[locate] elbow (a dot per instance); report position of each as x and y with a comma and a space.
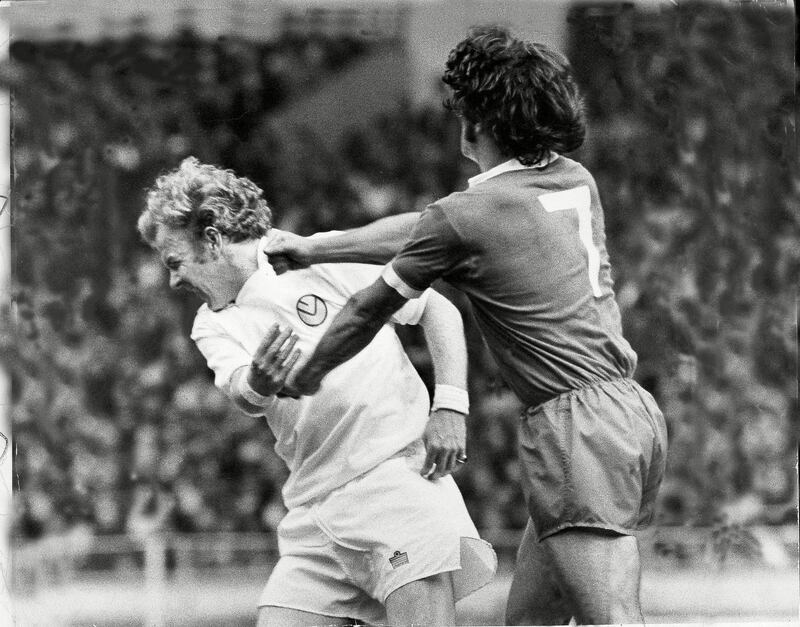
441, 312
452, 313
373, 306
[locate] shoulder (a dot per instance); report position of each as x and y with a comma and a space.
457, 208
470, 213
441, 220
570, 171
203, 316
206, 322
464, 200
338, 272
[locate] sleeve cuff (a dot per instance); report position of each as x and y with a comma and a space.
450, 397
249, 394
394, 281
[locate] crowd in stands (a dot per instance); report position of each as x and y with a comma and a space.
116, 421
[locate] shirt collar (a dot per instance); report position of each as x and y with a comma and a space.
509, 166
263, 267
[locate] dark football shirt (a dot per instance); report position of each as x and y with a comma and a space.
527, 247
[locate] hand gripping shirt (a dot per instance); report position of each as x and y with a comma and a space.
527, 247
367, 409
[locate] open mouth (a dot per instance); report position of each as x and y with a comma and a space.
191, 289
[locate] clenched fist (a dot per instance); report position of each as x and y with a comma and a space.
287, 251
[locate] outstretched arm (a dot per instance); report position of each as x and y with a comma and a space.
377, 242
351, 330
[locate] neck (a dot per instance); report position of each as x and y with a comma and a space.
243, 256
485, 153
489, 162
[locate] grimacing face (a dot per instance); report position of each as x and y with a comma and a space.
198, 266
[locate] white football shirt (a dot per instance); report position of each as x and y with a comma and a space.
367, 409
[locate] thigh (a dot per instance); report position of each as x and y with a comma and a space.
599, 572
427, 601
536, 598
273, 616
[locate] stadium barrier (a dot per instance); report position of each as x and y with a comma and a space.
158, 556
688, 572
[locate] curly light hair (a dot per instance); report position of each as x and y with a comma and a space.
522, 93
196, 195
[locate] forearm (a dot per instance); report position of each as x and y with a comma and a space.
444, 334
377, 242
445, 434
351, 330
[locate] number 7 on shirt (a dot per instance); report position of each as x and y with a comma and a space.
580, 199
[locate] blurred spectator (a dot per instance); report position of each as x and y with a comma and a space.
689, 142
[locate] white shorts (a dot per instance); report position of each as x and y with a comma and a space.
345, 553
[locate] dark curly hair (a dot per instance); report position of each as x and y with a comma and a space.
195, 196
522, 93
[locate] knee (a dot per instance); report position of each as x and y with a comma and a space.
532, 617
624, 608
516, 615
530, 611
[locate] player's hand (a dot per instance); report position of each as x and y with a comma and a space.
273, 361
287, 251
445, 440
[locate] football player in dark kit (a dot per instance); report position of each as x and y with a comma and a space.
525, 242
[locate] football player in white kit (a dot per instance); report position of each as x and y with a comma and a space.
376, 530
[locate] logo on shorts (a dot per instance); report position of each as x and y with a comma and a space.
398, 559
312, 310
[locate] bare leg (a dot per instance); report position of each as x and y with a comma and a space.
426, 601
272, 616
599, 572
536, 597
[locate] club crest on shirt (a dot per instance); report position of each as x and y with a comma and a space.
312, 310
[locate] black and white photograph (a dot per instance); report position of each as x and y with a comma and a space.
399, 313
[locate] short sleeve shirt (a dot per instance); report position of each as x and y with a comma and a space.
527, 247
367, 409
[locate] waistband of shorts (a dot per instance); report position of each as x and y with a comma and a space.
605, 383
412, 449
415, 447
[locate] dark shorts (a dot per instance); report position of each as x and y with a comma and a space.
593, 457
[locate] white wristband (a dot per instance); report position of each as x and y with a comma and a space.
450, 397
250, 395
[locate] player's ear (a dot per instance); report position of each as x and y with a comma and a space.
212, 238
471, 131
